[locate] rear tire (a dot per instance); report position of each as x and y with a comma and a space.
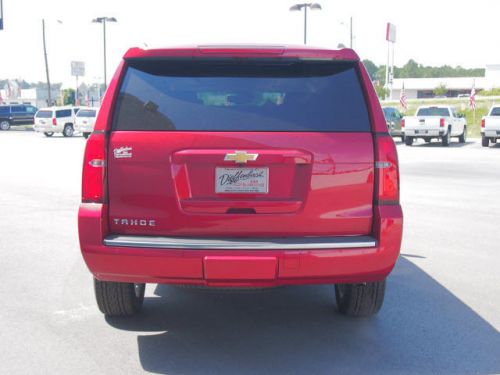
485, 141
408, 141
49, 134
360, 299
4, 125
463, 137
86, 135
118, 299
445, 141
402, 138
68, 130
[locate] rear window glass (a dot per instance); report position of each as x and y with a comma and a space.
259, 95
44, 114
433, 111
4, 110
86, 113
495, 111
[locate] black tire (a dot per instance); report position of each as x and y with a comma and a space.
4, 125
408, 141
485, 141
463, 137
48, 134
118, 299
445, 140
68, 130
86, 135
402, 138
360, 299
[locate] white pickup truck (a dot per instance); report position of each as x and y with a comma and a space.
441, 122
490, 126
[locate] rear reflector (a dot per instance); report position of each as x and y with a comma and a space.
403, 123
483, 123
94, 169
54, 121
387, 172
441, 123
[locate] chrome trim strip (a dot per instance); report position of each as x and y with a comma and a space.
283, 243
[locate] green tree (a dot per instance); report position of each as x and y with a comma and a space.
382, 92
69, 97
441, 90
371, 68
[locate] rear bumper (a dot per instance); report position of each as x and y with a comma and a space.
84, 128
491, 133
424, 133
141, 259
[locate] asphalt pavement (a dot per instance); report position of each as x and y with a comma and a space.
441, 314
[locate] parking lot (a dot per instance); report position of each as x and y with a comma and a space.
441, 313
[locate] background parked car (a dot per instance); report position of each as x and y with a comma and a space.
490, 126
85, 120
16, 114
393, 119
56, 120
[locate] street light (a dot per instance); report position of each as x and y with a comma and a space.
298, 7
103, 20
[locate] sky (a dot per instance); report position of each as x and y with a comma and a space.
431, 32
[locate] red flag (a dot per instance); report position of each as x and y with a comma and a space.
403, 98
472, 98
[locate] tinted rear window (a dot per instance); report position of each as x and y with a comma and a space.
495, 111
433, 111
44, 114
289, 95
86, 113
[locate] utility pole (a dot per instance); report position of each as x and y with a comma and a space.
350, 27
305, 24
104, 33
49, 100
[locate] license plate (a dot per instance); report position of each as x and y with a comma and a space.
242, 180
420, 131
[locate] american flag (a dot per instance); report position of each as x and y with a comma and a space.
403, 98
472, 98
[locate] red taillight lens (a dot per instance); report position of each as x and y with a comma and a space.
441, 123
94, 169
403, 123
387, 171
482, 123
54, 121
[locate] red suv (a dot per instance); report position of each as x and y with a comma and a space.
227, 166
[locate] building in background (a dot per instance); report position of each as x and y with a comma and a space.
421, 88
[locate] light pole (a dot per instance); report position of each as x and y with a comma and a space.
299, 7
49, 94
351, 35
103, 20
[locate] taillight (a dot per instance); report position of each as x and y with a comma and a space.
403, 123
94, 169
387, 171
483, 123
54, 121
441, 123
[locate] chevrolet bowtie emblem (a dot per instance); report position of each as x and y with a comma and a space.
241, 157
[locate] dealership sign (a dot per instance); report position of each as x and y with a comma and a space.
390, 34
77, 68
